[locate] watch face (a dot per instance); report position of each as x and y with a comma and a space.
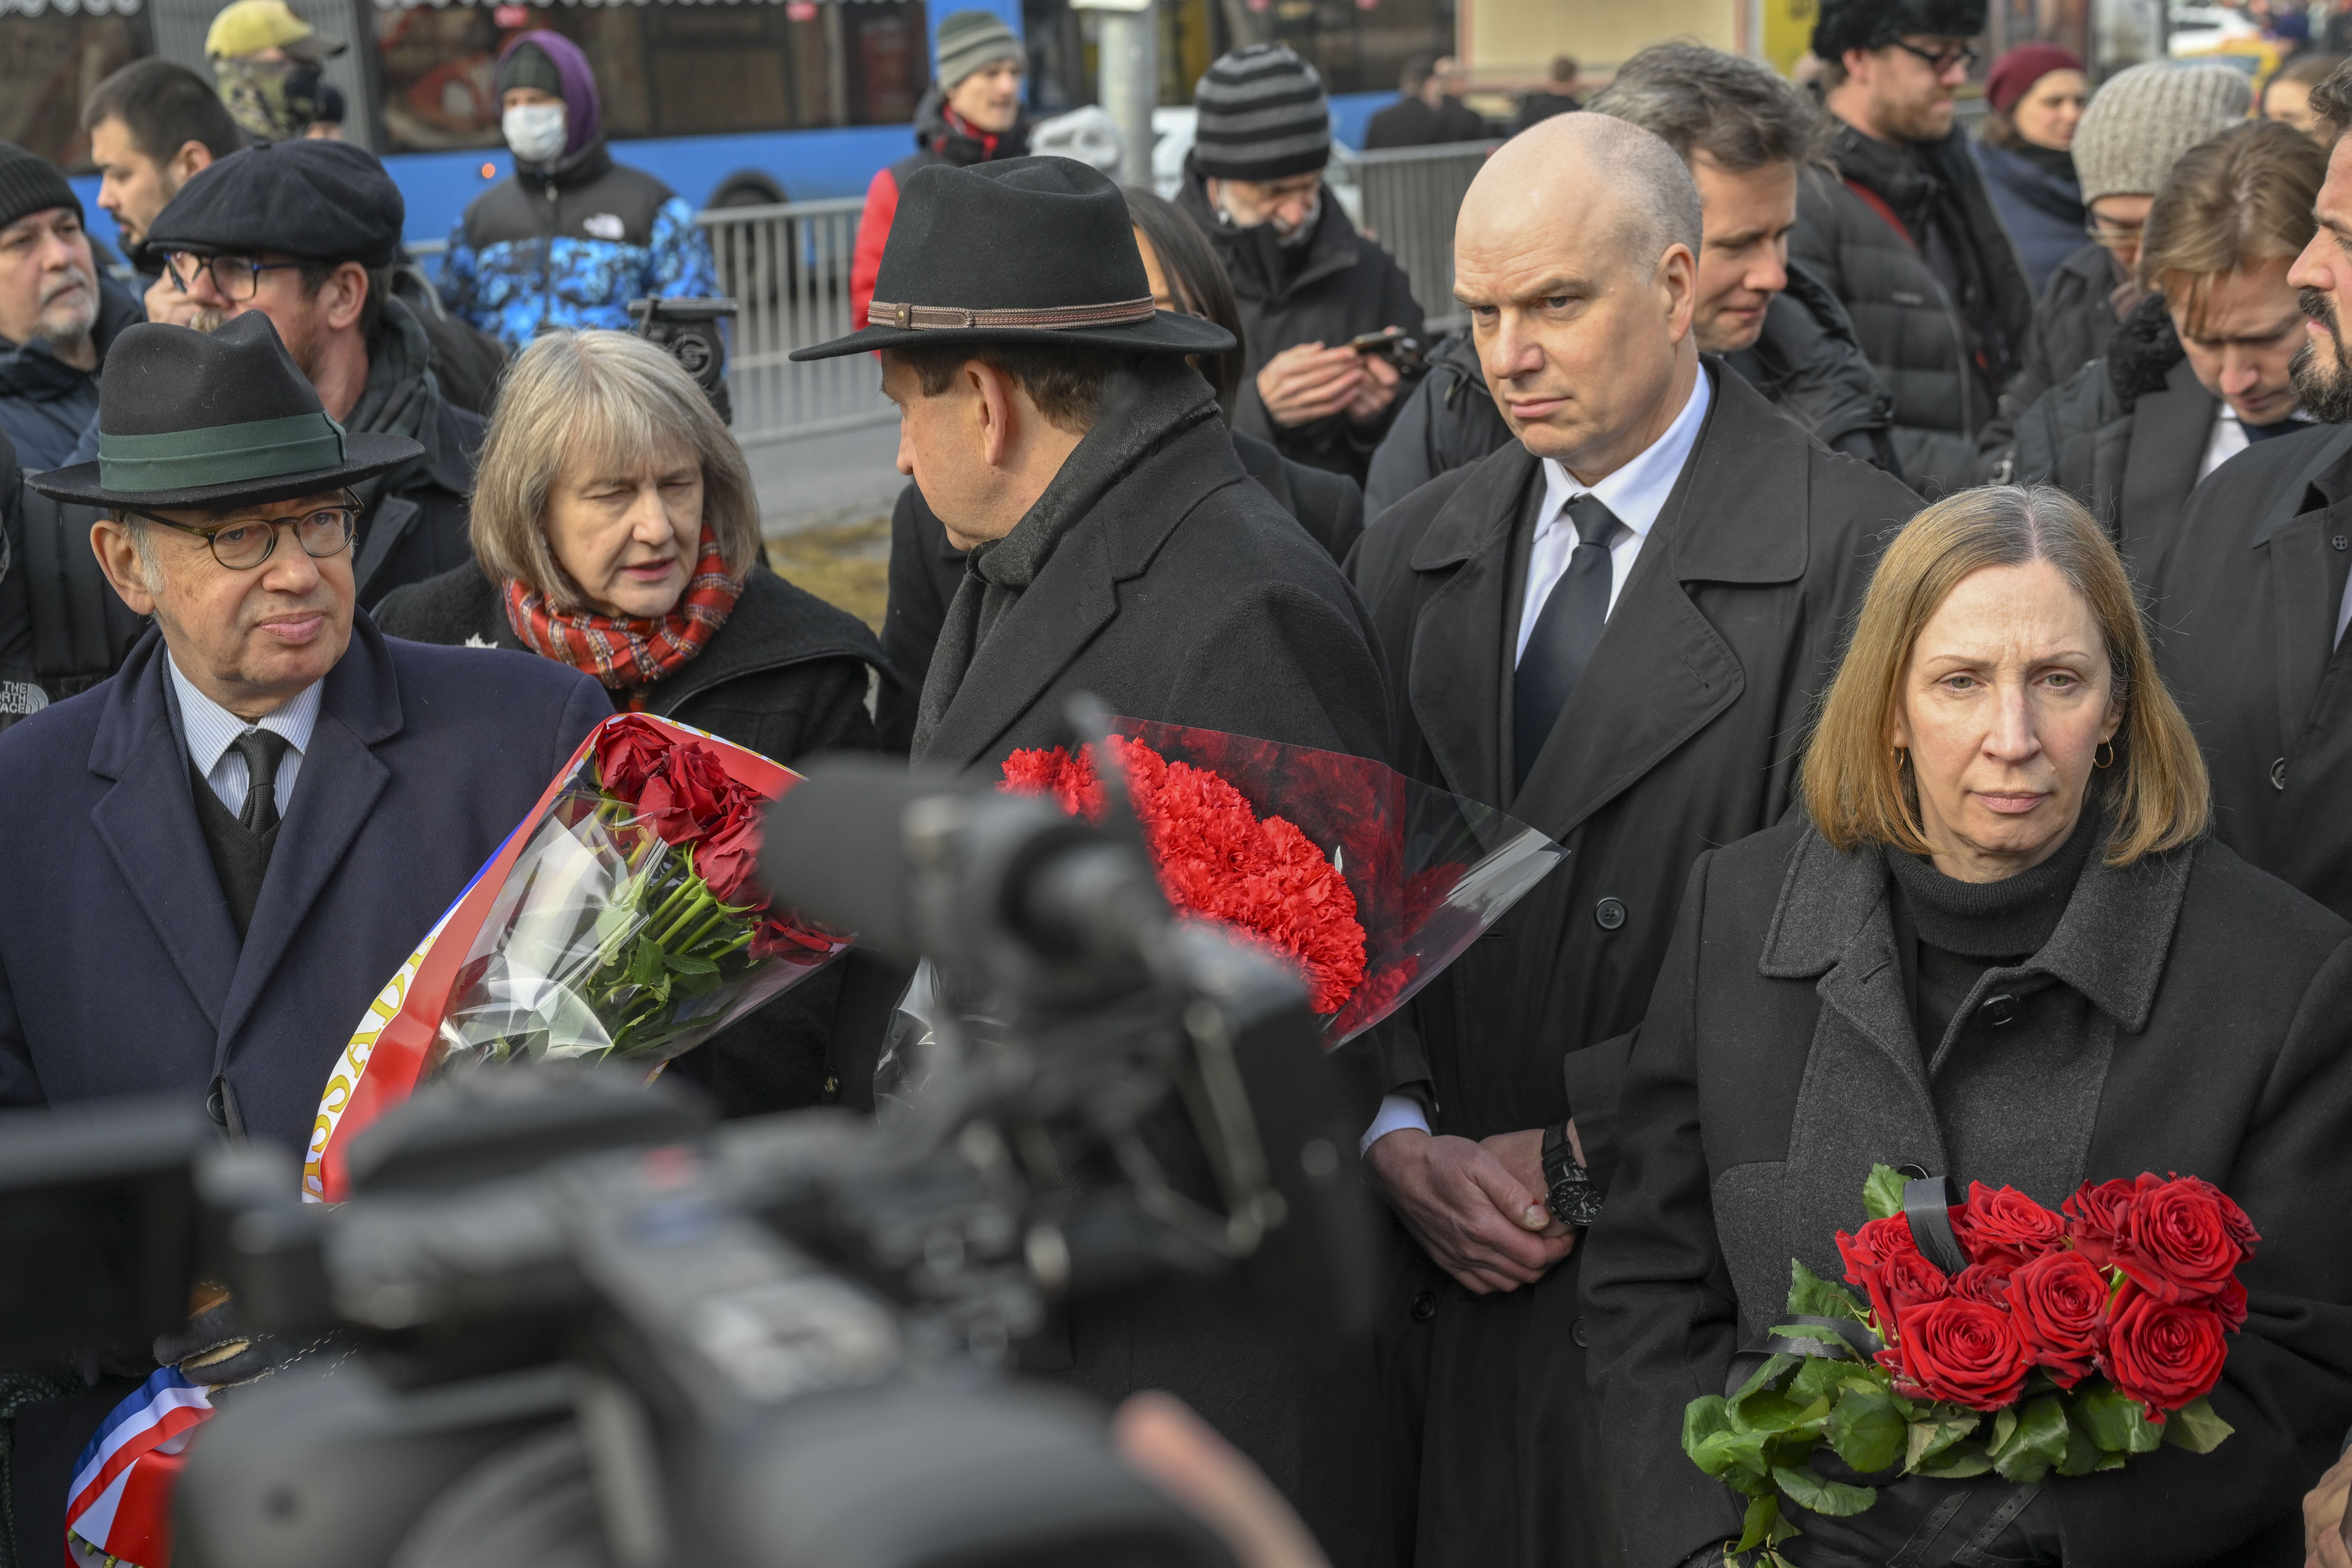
1574, 1200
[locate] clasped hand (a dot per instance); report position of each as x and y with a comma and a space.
1476, 1207
1308, 382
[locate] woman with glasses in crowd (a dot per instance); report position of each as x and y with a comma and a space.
1998, 945
615, 529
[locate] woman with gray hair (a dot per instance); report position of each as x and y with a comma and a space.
614, 529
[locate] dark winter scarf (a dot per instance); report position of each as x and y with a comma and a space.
398, 399
1143, 407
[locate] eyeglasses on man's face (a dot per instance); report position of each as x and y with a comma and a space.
237, 278
1941, 54
248, 541
2111, 234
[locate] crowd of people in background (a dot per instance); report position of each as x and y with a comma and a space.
1814, 492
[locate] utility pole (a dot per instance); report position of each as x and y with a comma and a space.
1127, 48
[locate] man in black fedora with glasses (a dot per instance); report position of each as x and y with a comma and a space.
1117, 546
216, 858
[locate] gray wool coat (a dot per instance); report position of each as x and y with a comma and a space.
2188, 1013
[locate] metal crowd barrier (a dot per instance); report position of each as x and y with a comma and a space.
788, 267
1410, 196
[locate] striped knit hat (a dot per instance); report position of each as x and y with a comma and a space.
1262, 117
971, 39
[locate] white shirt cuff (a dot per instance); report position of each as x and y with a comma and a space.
1397, 1112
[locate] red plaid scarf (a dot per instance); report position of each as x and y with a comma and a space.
627, 654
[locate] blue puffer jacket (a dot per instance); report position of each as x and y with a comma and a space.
570, 246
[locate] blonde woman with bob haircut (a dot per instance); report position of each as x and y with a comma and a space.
615, 530
1999, 946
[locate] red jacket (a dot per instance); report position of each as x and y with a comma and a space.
942, 136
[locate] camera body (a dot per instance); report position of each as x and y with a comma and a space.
688, 328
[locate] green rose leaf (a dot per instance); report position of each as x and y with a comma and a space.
1933, 1436
1775, 1367
1882, 1196
1822, 1379
2082, 1453
1810, 1296
1767, 1411
688, 964
2004, 1427
1763, 1516
1957, 1463
1867, 1431
2037, 1440
1821, 1494
2115, 1422
644, 963
2195, 1427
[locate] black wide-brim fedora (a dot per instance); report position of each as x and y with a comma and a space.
1027, 250
213, 421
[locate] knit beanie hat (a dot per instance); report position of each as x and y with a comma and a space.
30, 184
2143, 119
971, 39
527, 65
1261, 116
1843, 25
2014, 75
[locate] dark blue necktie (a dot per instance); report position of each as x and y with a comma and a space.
1565, 635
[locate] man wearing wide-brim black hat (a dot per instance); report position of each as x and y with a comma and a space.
1118, 547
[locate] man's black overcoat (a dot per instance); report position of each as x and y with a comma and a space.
2245, 608
1684, 733
1185, 595
2188, 1013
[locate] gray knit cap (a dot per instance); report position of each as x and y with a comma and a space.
2143, 119
1261, 116
971, 39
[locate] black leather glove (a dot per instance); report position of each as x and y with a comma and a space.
215, 1350
1982, 1523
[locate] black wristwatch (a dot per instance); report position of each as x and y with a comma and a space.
1572, 1198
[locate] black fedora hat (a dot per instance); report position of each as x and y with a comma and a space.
214, 420
1037, 250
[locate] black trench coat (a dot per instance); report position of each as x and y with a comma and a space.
1685, 733
2245, 604
2188, 1013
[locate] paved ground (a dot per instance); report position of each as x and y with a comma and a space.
825, 505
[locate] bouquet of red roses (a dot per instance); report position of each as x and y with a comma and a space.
1990, 1335
1368, 882
619, 921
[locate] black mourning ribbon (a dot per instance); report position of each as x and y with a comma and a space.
1928, 1205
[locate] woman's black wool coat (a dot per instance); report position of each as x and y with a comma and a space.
786, 676
2189, 1013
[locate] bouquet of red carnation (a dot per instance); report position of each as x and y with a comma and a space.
621, 921
1366, 882
1990, 1335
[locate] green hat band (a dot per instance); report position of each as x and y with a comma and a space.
219, 454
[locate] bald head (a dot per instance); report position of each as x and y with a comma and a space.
1576, 255
1588, 168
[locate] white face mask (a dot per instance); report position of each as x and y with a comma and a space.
535, 130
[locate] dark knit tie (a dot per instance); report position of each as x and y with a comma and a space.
262, 750
1565, 635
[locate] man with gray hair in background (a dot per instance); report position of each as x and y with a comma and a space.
1610, 628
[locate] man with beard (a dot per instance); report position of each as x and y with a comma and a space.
1308, 283
1744, 133
57, 313
154, 126
1904, 232
1614, 629
2253, 600
307, 233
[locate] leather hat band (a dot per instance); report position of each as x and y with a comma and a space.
928, 318
219, 454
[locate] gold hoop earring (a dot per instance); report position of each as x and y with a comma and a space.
2108, 747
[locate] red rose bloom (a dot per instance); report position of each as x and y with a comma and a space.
2177, 1242
2004, 1228
629, 751
2095, 1214
1961, 1353
727, 858
2059, 1303
690, 796
1982, 1282
2163, 1353
1883, 1260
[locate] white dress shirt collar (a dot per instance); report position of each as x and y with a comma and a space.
211, 733
1637, 492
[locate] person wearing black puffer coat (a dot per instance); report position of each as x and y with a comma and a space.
1904, 232
2199, 370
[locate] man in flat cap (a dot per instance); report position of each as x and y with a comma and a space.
307, 234
215, 859
1903, 231
1116, 545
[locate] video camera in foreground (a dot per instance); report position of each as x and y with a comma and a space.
580, 1325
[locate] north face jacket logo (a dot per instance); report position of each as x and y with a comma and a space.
603, 226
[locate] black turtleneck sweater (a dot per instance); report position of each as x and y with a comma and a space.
1949, 932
